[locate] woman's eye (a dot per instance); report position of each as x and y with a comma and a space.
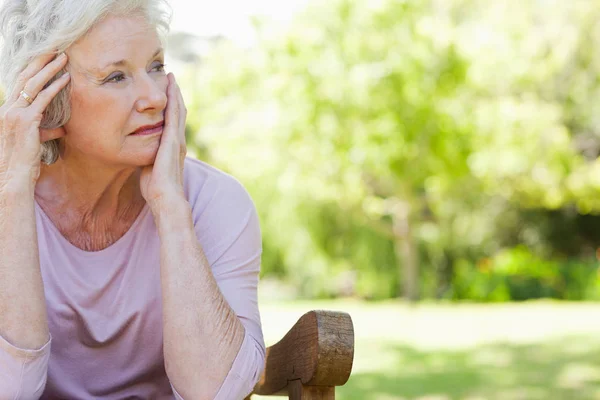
159, 67
116, 78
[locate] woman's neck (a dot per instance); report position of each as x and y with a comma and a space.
92, 206
90, 189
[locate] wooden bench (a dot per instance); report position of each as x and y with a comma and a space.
312, 359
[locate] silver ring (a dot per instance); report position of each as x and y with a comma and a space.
26, 97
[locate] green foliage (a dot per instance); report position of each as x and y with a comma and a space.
519, 274
453, 119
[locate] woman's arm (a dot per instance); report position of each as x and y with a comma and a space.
22, 304
24, 334
23, 319
202, 334
211, 351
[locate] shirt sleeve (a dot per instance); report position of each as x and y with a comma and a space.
247, 363
228, 229
23, 372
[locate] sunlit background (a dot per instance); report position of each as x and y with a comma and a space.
430, 167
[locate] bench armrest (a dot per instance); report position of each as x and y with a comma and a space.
317, 351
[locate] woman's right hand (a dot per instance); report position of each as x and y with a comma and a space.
20, 135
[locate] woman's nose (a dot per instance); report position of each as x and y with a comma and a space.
152, 93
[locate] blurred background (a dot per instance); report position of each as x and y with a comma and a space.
430, 167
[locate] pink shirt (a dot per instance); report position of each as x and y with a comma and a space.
105, 310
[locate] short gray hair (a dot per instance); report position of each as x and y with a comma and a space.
29, 28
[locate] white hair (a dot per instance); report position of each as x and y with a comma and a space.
30, 28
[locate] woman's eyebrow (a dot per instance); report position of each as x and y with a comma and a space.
121, 63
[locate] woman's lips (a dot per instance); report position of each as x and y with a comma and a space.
149, 130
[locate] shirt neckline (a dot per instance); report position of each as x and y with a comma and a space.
107, 250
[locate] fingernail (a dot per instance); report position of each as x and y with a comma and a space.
62, 56
66, 75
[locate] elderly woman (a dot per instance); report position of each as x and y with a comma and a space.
127, 271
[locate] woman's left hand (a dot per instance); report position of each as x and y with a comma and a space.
163, 181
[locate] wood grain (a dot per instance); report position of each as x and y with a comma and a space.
313, 357
298, 391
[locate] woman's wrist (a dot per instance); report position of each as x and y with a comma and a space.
19, 179
22, 189
170, 210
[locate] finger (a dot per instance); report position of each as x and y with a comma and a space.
182, 118
36, 84
39, 80
33, 68
172, 111
171, 141
182, 114
45, 96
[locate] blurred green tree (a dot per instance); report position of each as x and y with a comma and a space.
381, 137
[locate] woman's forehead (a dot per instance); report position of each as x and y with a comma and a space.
113, 40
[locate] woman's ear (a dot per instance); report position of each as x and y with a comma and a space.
51, 134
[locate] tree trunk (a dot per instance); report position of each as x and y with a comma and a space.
406, 251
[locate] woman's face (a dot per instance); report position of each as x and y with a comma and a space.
118, 85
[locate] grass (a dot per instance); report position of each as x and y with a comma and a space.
532, 350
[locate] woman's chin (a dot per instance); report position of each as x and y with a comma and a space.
143, 158
147, 160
